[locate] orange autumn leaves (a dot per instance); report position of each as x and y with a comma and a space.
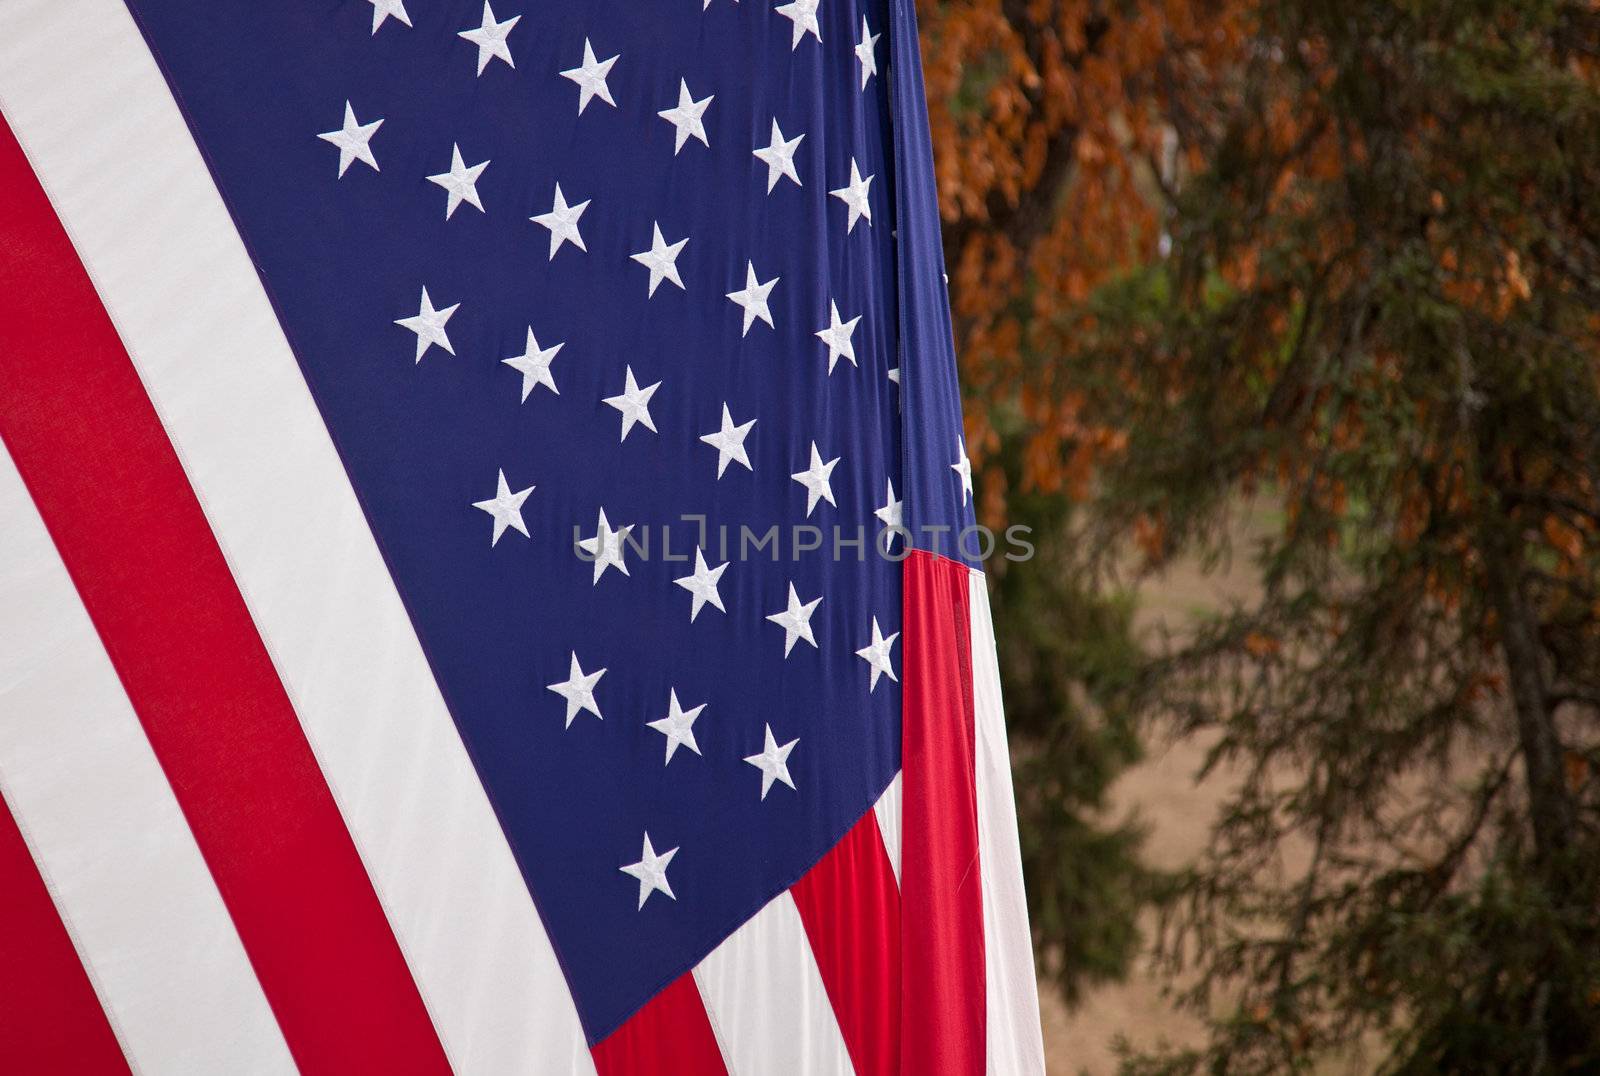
1061, 128
1050, 147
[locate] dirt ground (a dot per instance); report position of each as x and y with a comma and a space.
1178, 812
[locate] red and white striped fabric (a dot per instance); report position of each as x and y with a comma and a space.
240, 830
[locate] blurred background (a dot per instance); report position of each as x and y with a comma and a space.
1280, 324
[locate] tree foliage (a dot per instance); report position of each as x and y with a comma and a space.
1346, 257
1042, 204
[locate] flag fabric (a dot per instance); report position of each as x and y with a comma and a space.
484, 566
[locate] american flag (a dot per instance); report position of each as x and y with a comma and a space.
479, 577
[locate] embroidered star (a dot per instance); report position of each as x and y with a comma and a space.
854, 195
562, 220
591, 78
678, 725
963, 467
753, 298
578, 690
773, 762
837, 336
729, 442
651, 870
803, 13
461, 182
534, 366
778, 156
876, 654
795, 620
891, 513
428, 324
703, 585
606, 548
491, 38
634, 403
354, 140
816, 480
687, 117
382, 9
661, 259
865, 52
506, 508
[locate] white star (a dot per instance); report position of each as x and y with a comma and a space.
703, 585
796, 620
591, 78
837, 336
562, 220
606, 547
876, 654
894, 375
779, 157
963, 467
353, 140
491, 38
578, 690
753, 297
854, 195
634, 403
506, 508
534, 365
651, 870
461, 182
866, 54
729, 442
815, 479
678, 725
773, 762
687, 117
891, 513
661, 259
382, 9
803, 13
428, 324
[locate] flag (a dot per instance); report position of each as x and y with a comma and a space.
489, 580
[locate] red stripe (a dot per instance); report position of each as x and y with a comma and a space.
112, 492
941, 903
670, 1035
850, 905
50, 1018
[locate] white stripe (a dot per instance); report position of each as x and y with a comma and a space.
123, 173
106, 831
1014, 1042
765, 999
888, 811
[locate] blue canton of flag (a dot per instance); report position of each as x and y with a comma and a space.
624, 273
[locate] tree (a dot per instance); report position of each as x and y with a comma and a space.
1346, 256
1042, 203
